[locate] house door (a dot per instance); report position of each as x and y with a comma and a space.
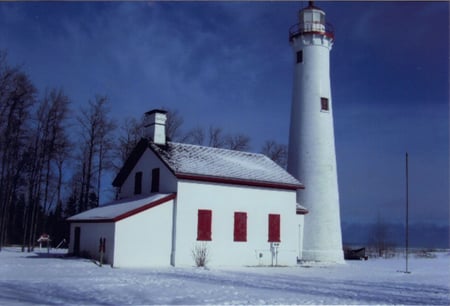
76, 241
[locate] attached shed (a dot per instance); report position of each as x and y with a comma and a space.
136, 231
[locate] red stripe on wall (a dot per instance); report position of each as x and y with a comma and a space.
221, 180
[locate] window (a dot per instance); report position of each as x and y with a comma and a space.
274, 228
155, 180
204, 225
300, 56
240, 226
324, 104
138, 183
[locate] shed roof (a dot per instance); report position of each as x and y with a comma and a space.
301, 210
118, 210
202, 163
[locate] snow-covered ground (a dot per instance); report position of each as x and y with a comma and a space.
41, 278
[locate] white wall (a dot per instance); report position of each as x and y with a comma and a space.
300, 231
224, 200
89, 239
146, 163
145, 239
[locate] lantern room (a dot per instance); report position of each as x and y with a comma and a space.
311, 21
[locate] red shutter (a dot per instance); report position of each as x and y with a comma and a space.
204, 224
274, 228
240, 226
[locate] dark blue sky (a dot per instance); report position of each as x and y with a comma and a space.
230, 64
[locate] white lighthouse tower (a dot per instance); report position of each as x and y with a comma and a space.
312, 156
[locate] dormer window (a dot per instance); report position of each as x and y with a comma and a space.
155, 180
138, 183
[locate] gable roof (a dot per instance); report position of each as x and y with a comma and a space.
202, 163
118, 210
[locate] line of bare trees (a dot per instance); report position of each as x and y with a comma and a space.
53, 159
44, 153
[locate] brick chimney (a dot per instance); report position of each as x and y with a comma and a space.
155, 126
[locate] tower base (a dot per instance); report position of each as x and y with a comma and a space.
331, 256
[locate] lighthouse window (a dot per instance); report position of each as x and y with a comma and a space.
324, 104
300, 56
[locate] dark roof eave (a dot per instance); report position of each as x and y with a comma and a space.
234, 181
131, 161
301, 211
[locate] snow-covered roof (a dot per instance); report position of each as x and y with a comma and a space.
193, 160
121, 209
202, 163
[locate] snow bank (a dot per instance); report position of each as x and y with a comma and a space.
41, 278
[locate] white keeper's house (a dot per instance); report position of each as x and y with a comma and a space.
174, 197
241, 206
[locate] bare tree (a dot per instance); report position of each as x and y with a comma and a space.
55, 141
276, 152
17, 97
380, 238
237, 142
130, 132
44, 153
95, 130
216, 138
195, 136
106, 146
173, 125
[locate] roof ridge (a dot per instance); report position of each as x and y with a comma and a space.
215, 148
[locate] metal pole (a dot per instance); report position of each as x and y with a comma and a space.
407, 213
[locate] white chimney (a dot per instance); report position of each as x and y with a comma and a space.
155, 126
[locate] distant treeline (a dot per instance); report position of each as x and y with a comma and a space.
421, 235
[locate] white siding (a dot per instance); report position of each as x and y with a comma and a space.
90, 239
224, 200
147, 162
301, 225
145, 239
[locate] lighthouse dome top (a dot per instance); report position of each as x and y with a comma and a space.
311, 15
311, 20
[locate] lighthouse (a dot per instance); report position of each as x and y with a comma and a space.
312, 155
